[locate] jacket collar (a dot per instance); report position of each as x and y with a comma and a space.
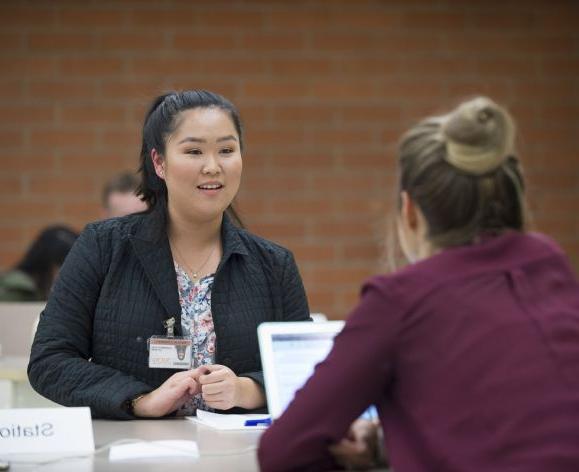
153, 228
231, 240
151, 245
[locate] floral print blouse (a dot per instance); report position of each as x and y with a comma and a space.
196, 323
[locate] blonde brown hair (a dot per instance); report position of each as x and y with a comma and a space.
461, 171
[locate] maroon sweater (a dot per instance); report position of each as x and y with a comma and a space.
471, 356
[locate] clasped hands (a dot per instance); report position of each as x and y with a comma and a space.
220, 387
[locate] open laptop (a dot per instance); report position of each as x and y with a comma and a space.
289, 354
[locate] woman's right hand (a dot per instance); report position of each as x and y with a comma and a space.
171, 395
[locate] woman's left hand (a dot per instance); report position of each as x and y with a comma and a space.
219, 386
222, 389
358, 450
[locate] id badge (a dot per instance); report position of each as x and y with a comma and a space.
169, 352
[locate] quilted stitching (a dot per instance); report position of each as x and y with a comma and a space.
91, 345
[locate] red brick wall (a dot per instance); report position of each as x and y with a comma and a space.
325, 89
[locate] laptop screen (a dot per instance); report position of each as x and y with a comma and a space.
290, 352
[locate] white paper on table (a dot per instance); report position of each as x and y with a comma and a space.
154, 449
228, 422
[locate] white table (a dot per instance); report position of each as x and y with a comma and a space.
221, 451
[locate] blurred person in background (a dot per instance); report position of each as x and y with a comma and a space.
120, 197
471, 352
32, 278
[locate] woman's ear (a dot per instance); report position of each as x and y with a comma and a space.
412, 229
158, 163
408, 211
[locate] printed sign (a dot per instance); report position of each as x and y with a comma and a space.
46, 430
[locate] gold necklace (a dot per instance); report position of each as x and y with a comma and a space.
194, 273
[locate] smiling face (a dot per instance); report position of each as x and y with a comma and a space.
202, 164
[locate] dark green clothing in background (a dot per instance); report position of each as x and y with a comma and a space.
18, 286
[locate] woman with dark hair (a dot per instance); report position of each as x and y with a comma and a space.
471, 353
32, 278
179, 287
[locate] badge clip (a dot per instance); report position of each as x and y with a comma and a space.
170, 351
170, 325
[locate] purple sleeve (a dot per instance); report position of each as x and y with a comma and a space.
354, 376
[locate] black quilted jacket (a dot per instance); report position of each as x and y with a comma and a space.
116, 288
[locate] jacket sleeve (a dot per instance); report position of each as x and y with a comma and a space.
291, 303
354, 376
294, 301
60, 365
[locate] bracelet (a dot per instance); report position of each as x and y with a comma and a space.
130, 404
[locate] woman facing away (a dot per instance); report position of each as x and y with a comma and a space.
156, 313
471, 353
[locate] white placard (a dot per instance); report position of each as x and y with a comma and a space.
46, 430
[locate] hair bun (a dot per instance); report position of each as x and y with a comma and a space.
479, 136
